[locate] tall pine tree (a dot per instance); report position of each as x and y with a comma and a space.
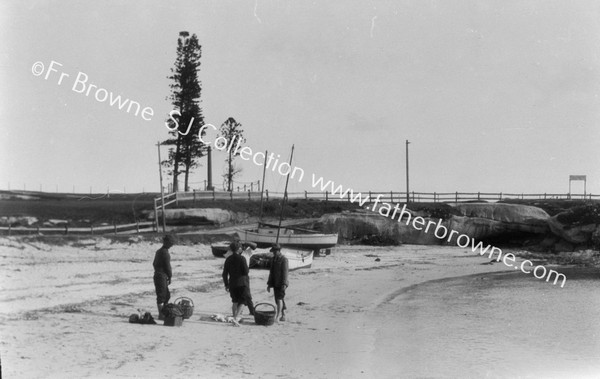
185, 145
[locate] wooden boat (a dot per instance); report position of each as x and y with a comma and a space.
266, 237
297, 258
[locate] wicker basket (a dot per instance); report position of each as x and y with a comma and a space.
264, 317
187, 306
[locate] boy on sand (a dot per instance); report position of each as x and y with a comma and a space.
278, 280
237, 282
162, 273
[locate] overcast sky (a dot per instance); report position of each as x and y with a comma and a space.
493, 95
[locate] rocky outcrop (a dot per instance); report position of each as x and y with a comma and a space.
355, 226
506, 217
351, 226
215, 216
577, 225
578, 234
479, 221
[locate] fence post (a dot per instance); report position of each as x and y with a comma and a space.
249, 192
115, 226
231, 194
194, 197
544, 195
92, 229
137, 226
155, 217
267, 194
348, 196
326, 196
500, 196
456, 197
478, 196
413, 196
214, 197
66, 229
434, 197
391, 196
305, 195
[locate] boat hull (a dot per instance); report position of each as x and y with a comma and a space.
297, 258
314, 241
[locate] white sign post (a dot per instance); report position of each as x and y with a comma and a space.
575, 178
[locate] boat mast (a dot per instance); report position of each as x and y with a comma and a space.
284, 195
262, 190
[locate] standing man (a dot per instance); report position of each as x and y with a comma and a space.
278, 280
162, 273
237, 282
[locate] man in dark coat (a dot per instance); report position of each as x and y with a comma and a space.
278, 280
162, 273
237, 282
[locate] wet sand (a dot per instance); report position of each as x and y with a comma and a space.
65, 313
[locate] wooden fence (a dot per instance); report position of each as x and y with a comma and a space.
137, 227
390, 197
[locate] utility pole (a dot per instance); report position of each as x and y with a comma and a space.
407, 193
209, 173
162, 191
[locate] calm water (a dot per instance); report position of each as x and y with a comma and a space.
492, 326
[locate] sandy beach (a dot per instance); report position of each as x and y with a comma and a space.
65, 314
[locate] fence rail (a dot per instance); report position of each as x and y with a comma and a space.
136, 227
391, 196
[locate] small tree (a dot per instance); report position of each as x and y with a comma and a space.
232, 131
230, 173
186, 147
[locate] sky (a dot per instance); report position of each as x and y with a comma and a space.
493, 96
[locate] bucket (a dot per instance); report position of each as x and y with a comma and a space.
187, 306
264, 317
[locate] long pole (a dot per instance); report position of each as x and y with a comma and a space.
407, 193
162, 191
262, 190
284, 195
209, 174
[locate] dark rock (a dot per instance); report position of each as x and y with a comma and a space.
577, 234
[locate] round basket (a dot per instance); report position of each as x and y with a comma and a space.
264, 317
187, 306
